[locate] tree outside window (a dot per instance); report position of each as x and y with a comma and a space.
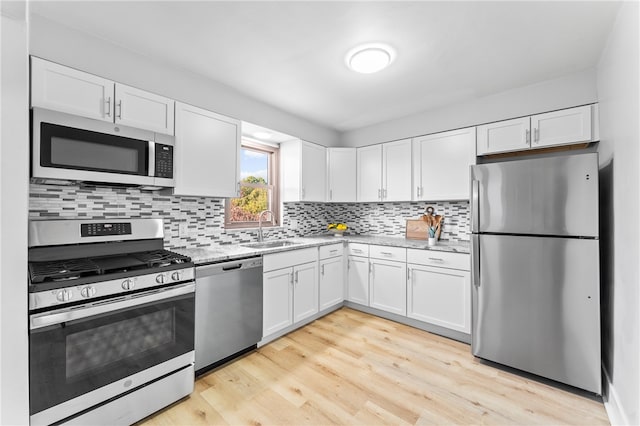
258, 187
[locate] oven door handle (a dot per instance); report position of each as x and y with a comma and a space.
69, 314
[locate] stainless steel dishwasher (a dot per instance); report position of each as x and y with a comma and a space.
228, 311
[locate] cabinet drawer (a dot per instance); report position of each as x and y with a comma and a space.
388, 253
357, 249
441, 259
332, 250
285, 259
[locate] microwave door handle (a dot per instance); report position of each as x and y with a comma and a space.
152, 159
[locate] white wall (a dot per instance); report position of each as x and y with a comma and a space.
618, 93
14, 192
571, 90
60, 44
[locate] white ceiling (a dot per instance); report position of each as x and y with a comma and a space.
291, 54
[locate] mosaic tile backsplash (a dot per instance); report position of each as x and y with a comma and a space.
199, 221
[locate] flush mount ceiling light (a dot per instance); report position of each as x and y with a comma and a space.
262, 135
370, 58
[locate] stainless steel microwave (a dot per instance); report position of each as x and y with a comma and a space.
68, 148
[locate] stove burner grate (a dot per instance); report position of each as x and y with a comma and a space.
63, 269
159, 258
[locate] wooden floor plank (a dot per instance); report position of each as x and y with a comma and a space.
353, 368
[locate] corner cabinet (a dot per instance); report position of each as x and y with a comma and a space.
303, 168
556, 128
207, 153
441, 165
341, 174
384, 172
60, 88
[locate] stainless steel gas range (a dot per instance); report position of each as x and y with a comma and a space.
111, 321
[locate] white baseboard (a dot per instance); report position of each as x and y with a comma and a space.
615, 412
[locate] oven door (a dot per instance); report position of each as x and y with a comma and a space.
81, 357
79, 149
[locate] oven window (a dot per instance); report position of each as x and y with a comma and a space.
93, 156
98, 348
70, 359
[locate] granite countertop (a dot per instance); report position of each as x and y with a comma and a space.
204, 255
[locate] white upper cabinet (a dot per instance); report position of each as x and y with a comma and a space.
396, 171
441, 165
303, 170
504, 136
68, 90
384, 172
369, 173
562, 127
341, 173
65, 89
144, 110
207, 153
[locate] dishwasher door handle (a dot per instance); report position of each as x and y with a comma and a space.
232, 267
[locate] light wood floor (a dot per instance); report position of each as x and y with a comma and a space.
353, 368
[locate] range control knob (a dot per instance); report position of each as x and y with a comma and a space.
160, 278
88, 291
64, 295
128, 284
176, 276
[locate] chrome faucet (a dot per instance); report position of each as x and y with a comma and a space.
260, 216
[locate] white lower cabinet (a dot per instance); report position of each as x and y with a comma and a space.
331, 278
277, 300
305, 291
388, 286
440, 295
289, 288
358, 279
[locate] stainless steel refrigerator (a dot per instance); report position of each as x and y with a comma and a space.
535, 267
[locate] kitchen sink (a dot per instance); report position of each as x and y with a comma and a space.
269, 244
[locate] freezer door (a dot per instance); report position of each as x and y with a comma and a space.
543, 196
536, 306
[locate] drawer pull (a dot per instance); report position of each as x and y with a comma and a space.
357, 250
386, 253
333, 251
436, 259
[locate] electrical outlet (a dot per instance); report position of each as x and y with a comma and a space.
293, 224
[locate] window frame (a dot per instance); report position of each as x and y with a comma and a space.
273, 170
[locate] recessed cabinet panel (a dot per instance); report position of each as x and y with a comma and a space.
342, 177
441, 165
358, 279
65, 89
440, 296
396, 171
314, 172
504, 136
277, 299
388, 286
331, 282
207, 153
144, 110
562, 127
369, 169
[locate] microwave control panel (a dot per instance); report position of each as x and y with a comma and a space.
164, 161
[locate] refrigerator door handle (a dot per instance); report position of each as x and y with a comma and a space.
475, 205
475, 260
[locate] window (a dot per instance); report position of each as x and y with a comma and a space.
258, 188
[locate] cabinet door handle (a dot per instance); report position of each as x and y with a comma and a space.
536, 134
436, 259
331, 194
302, 194
297, 277
107, 107
119, 105
322, 270
527, 137
348, 263
384, 193
291, 278
372, 270
380, 194
408, 274
418, 192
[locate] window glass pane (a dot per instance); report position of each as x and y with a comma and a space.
252, 201
254, 166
